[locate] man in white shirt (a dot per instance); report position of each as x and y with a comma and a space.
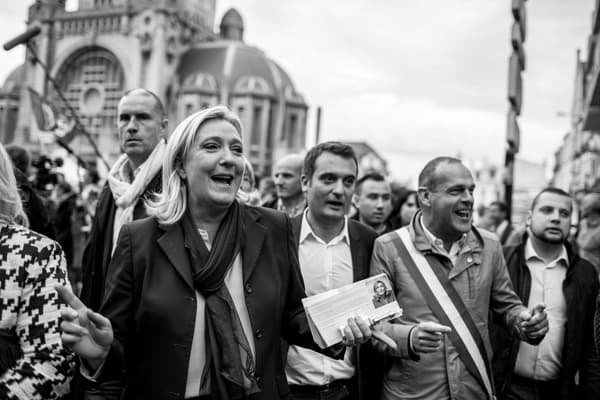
333, 251
545, 269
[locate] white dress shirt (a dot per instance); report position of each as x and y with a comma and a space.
324, 266
544, 362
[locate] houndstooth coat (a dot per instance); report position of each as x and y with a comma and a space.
30, 266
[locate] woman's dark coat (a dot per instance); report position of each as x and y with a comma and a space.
151, 303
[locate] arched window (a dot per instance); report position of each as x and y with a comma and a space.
257, 125
92, 80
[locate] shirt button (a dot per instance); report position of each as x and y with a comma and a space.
258, 333
248, 288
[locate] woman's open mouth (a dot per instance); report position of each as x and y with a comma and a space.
222, 179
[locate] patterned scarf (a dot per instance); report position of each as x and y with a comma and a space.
228, 351
127, 194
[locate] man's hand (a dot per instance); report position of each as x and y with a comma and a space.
534, 323
87, 333
427, 337
356, 331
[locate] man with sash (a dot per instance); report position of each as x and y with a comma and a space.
543, 267
447, 277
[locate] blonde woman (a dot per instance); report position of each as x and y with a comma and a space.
35, 365
248, 193
201, 293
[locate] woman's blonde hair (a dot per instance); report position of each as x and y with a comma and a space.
11, 207
170, 205
249, 170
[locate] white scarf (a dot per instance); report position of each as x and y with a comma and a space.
127, 194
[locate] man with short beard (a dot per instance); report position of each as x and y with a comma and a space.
544, 269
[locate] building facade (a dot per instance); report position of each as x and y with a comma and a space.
577, 161
528, 179
106, 47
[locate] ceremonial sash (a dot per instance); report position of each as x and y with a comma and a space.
447, 306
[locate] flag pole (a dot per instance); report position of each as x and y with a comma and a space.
78, 124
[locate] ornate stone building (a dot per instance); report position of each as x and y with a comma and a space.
577, 161
168, 46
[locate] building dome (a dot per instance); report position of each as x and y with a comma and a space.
229, 71
15, 79
232, 68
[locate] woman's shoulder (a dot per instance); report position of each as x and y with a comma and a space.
267, 216
22, 239
143, 224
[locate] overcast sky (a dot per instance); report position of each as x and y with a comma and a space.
415, 79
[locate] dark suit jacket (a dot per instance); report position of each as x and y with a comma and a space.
150, 300
97, 254
369, 363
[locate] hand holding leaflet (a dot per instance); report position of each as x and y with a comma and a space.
328, 312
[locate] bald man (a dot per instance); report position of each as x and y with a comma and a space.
288, 185
142, 124
449, 276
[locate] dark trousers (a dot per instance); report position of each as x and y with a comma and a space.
337, 390
530, 389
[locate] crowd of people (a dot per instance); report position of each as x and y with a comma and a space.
194, 269
54, 207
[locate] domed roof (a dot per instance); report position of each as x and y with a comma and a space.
15, 79
237, 69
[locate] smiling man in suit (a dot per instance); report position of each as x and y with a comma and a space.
333, 251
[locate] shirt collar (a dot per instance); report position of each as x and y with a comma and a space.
530, 253
306, 231
439, 242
